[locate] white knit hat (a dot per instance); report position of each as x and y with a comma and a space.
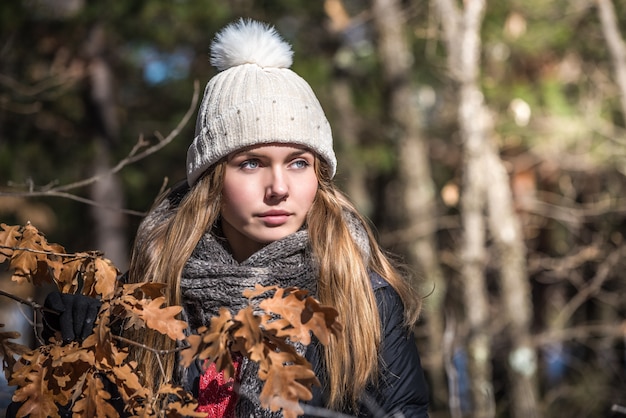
255, 99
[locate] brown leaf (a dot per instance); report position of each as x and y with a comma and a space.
182, 404
128, 382
248, 336
188, 355
321, 320
71, 353
8, 349
35, 261
144, 290
106, 278
67, 280
67, 366
257, 291
89, 277
290, 307
180, 410
213, 344
100, 276
39, 242
9, 236
164, 319
24, 264
301, 315
285, 386
94, 400
37, 400
130, 308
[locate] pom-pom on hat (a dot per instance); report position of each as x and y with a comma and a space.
255, 99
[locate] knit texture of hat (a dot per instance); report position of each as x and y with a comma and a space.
255, 99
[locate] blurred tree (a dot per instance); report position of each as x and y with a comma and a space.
417, 198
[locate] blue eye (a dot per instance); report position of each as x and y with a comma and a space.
250, 164
300, 164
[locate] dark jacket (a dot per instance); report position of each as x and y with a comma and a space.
402, 387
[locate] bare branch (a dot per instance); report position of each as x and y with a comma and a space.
152, 350
34, 305
579, 332
138, 152
592, 288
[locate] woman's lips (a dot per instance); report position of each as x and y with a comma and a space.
274, 218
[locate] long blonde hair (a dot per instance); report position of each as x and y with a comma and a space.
161, 251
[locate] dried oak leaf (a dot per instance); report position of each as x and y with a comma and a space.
38, 401
177, 409
94, 401
8, 349
285, 386
279, 355
67, 366
321, 319
35, 261
67, 280
25, 265
146, 290
130, 300
194, 343
163, 319
126, 378
9, 236
129, 308
180, 402
249, 336
105, 278
106, 352
212, 343
300, 315
258, 291
99, 276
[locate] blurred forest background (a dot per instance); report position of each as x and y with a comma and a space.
485, 140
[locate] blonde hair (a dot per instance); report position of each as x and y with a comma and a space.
352, 361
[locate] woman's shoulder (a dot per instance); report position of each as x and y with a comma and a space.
384, 292
377, 281
388, 301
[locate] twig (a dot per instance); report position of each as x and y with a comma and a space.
152, 350
70, 196
594, 286
133, 156
30, 303
87, 254
579, 332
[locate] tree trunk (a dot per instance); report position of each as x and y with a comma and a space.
353, 175
486, 187
617, 49
418, 190
108, 194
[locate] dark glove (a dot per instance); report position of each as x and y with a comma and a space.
75, 318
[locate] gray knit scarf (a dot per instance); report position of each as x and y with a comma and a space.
212, 279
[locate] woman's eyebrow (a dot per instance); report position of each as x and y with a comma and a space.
254, 154
299, 153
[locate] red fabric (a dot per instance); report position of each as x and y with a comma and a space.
217, 395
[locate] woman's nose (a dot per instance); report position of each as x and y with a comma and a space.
277, 185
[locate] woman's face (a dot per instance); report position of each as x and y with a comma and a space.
268, 191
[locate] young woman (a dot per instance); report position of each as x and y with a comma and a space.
259, 207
